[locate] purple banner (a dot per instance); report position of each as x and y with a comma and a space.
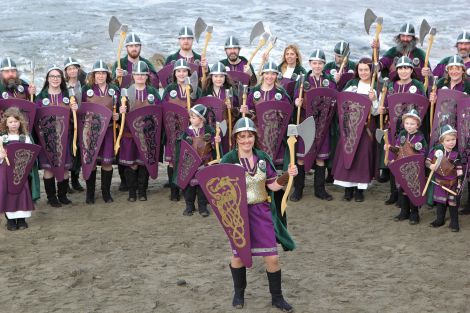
321, 104
145, 125
353, 112
400, 103
445, 112
22, 157
175, 121
463, 126
52, 126
409, 174
93, 120
188, 163
237, 76
272, 118
224, 186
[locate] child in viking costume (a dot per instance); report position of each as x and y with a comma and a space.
55, 93
201, 136
100, 91
136, 174
448, 174
176, 93
409, 141
315, 78
265, 226
17, 207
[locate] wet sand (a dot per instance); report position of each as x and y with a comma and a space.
128, 257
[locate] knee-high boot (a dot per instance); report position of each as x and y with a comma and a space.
106, 178
275, 288
90, 188
239, 285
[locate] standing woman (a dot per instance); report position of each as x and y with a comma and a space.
176, 93
261, 178
291, 62
316, 78
217, 83
74, 78
357, 178
54, 93
99, 90
136, 173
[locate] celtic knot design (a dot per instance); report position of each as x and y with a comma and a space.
410, 172
22, 159
353, 113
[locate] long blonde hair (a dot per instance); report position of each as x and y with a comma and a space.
296, 50
15, 113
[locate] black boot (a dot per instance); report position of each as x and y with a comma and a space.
49, 186
440, 215
384, 176
404, 209
62, 188
142, 182
11, 224
90, 188
329, 177
75, 182
393, 192
131, 180
414, 215
106, 178
399, 202
169, 171
319, 183
275, 289
202, 202
189, 198
454, 219
299, 184
21, 223
123, 184
466, 210
239, 285
358, 195
348, 193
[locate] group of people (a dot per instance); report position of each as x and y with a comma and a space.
343, 151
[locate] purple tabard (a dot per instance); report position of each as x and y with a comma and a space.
409, 174
353, 110
93, 120
52, 126
145, 125
463, 125
224, 186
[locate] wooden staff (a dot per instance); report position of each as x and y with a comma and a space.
121, 129
433, 103
229, 111
301, 94
74, 114
245, 91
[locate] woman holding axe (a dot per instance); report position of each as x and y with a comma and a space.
55, 93
99, 90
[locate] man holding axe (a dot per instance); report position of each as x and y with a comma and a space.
234, 61
342, 64
122, 68
11, 86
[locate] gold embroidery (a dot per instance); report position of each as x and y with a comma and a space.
226, 196
352, 117
22, 159
410, 172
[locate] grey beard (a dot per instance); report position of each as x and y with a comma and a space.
406, 49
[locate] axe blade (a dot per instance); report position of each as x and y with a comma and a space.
77, 90
433, 31
113, 27
306, 130
123, 92
379, 134
131, 95
199, 27
223, 127
423, 31
257, 30
193, 81
369, 19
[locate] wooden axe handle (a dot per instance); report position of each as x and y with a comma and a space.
74, 114
188, 98
268, 50
121, 43
204, 50
386, 151
426, 61
301, 94
117, 146
261, 43
431, 110
244, 103
114, 124
229, 112
291, 143
427, 183
378, 30
382, 102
